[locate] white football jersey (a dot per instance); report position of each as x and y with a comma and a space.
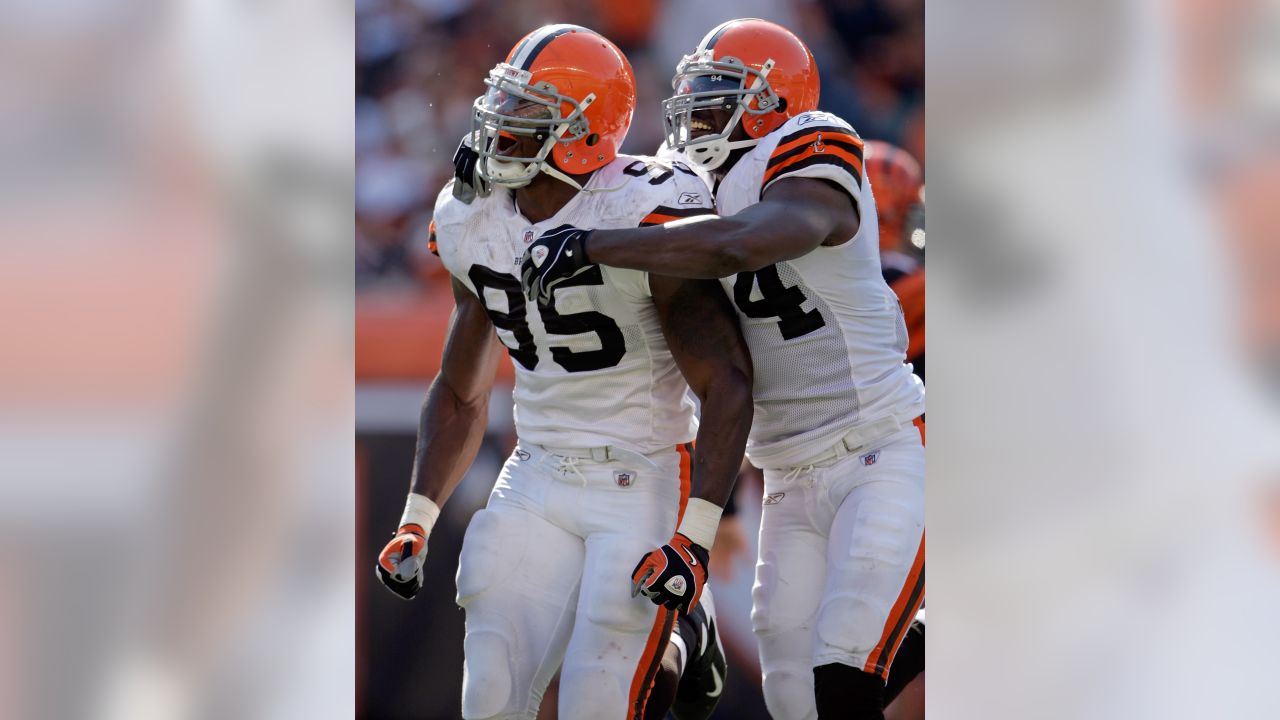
826, 333
593, 369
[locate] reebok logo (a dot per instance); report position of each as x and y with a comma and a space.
690, 198
813, 117
773, 498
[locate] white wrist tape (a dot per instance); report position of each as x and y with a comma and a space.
420, 510
701, 518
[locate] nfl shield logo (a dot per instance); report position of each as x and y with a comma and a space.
624, 479
676, 585
528, 236
540, 255
870, 458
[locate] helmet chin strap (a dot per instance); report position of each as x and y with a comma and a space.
550, 169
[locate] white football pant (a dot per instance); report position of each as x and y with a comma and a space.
841, 568
545, 578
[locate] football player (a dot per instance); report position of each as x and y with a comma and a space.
603, 468
840, 572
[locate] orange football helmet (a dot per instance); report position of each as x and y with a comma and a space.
758, 70
566, 87
896, 182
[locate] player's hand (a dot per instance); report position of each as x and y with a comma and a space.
467, 183
554, 257
400, 564
672, 575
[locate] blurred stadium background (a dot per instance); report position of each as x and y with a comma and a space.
419, 65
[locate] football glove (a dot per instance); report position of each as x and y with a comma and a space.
400, 564
467, 183
554, 257
672, 575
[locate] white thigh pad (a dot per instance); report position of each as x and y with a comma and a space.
493, 547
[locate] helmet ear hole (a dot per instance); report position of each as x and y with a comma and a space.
592, 139
782, 105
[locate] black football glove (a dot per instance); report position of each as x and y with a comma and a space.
672, 575
554, 257
467, 183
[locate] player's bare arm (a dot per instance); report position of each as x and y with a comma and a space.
456, 410
701, 329
794, 217
450, 429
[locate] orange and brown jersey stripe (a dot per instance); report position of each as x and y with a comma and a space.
660, 633
685, 452
904, 611
431, 239
650, 662
825, 144
663, 214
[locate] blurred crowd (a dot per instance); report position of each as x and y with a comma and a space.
421, 63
